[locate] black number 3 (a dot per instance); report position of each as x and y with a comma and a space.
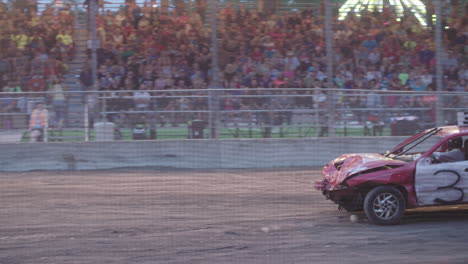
451, 186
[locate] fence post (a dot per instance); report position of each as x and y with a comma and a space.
86, 121
46, 129
260, 5
93, 10
103, 107
190, 7
213, 95
154, 119
165, 6
329, 49
439, 119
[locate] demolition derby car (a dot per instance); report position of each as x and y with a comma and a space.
428, 169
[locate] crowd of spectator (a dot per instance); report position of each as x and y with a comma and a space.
146, 49
34, 49
143, 48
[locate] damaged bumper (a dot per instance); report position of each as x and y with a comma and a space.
347, 198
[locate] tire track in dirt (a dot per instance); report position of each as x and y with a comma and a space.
219, 216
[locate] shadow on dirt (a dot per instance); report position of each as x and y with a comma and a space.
435, 217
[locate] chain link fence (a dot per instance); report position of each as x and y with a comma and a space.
243, 113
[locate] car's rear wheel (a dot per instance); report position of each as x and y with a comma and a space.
384, 205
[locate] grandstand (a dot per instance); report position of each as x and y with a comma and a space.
163, 49
175, 131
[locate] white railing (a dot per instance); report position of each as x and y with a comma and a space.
260, 112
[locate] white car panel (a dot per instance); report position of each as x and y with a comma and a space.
437, 184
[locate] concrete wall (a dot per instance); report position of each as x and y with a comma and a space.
193, 154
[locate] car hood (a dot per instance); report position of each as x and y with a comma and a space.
336, 171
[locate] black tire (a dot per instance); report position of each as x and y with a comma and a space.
390, 208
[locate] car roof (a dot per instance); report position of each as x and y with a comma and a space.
452, 130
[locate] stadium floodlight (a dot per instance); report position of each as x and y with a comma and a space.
346, 8
416, 7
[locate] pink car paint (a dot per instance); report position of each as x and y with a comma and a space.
348, 178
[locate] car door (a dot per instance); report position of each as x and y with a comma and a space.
441, 183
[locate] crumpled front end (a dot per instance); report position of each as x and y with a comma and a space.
334, 186
347, 198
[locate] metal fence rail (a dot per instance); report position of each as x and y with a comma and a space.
260, 112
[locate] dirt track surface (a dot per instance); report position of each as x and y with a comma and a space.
234, 216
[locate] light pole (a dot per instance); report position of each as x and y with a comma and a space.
329, 49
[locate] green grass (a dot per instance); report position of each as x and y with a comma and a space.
224, 133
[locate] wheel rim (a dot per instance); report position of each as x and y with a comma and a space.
386, 206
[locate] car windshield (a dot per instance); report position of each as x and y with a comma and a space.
419, 143
425, 145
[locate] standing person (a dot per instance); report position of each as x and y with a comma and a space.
89, 96
86, 78
58, 102
142, 98
36, 83
38, 123
86, 81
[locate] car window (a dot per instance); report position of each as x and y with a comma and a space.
451, 151
423, 146
445, 146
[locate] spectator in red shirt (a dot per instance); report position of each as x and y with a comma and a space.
36, 83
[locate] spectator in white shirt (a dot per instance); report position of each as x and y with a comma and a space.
142, 98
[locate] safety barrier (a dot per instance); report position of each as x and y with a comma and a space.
187, 154
231, 113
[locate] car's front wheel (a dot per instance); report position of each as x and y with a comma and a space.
384, 205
